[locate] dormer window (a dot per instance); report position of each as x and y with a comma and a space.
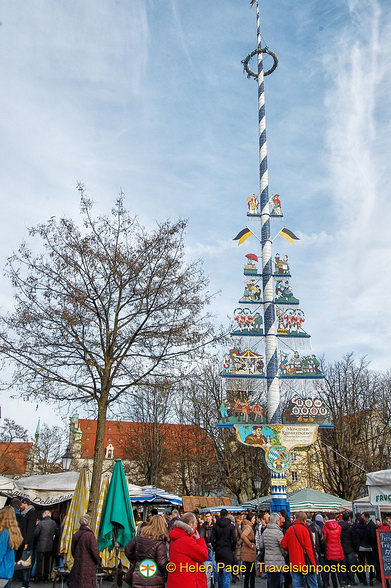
109, 451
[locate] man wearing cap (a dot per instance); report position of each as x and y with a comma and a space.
29, 521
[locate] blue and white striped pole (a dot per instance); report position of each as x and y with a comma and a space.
278, 483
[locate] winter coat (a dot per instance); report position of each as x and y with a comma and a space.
332, 534
364, 535
317, 538
44, 535
270, 541
346, 537
223, 539
7, 556
293, 545
171, 523
29, 521
84, 549
140, 548
186, 551
238, 548
249, 552
206, 532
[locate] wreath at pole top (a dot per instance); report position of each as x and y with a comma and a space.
258, 52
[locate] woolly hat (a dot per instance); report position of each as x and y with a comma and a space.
319, 518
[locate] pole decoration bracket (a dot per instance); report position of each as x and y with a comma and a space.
258, 52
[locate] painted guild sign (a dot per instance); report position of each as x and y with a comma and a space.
267, 436
276, 441
305, 410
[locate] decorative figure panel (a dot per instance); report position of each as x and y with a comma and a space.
250, 269
276, 206
306, 410
252, 291
252, 205
247, 322
298, 366
281, 266
238, 411
284, 294
239, 364
290, 323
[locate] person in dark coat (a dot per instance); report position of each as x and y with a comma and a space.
347, 546
44, 535
223, 539
187, 549
151, 543
85, 552
365, 545
29, 521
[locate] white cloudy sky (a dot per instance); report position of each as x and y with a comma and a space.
149, 97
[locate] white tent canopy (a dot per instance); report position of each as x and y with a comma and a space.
379, 486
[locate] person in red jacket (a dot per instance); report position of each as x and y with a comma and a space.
188, 555
334, 551
297, 541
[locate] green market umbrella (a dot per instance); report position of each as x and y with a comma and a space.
117, 523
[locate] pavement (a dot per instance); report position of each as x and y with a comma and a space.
259, 583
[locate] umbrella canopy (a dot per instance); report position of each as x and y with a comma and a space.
117, 523
305, 499
109, 558
219, 508
252, 256
77, 508
156, 496
310, 499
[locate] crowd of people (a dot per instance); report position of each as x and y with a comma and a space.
214, 552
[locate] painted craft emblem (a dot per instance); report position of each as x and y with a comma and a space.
268, 436
284, 294
281, 266
252, 205
277, 458
296, 366
276, 205
252, 292
247, 322
250, 269
243, 364
306, 410
241, 411
290, 323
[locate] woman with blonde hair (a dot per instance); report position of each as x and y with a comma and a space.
10, 539
149, 544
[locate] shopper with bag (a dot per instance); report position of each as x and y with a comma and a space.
297, 542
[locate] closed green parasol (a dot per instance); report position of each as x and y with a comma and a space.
117, 523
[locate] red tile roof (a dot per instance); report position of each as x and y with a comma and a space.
13, 457
126, 437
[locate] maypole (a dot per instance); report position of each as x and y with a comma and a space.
269, 315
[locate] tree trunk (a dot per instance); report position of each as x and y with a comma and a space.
98, 461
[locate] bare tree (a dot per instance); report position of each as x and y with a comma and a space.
51, 445
356, 400
103, 309
235, 466
150, 453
